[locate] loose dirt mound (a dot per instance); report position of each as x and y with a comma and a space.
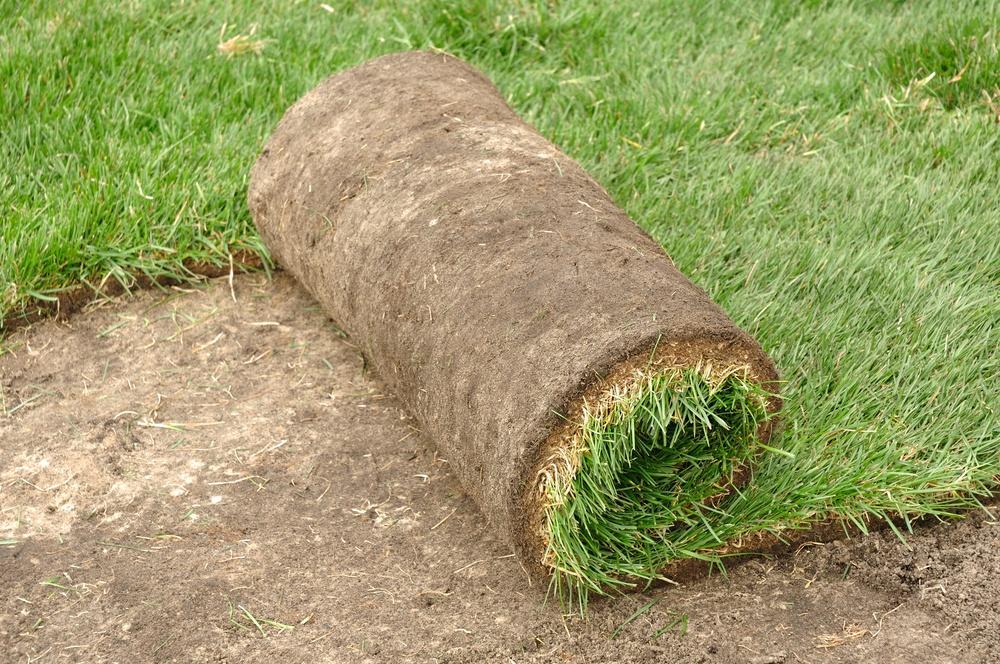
178, 463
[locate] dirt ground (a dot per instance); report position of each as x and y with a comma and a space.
212, 475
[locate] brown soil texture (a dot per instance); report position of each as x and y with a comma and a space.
490, 280
177, 462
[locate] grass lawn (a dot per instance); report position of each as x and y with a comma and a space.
828, 171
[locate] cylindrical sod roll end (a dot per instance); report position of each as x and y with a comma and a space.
731, 378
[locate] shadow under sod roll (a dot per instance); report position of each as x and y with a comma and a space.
590, 398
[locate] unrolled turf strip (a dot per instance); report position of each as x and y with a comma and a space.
493, 284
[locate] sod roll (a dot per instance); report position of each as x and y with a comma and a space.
590, 398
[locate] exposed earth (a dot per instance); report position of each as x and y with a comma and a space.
211, 474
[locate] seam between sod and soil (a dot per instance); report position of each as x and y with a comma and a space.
61, 302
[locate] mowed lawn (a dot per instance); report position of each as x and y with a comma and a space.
828, 171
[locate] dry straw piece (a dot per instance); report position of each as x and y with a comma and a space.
591, 399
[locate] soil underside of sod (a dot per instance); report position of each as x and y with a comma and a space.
177, 463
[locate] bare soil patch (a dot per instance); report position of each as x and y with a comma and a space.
215, 476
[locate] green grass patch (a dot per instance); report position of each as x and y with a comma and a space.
649, 459
962, 60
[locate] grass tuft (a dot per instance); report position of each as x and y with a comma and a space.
648, 460
240, 44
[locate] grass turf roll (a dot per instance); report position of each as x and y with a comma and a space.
590, 398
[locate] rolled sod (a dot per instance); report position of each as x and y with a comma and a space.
590, 398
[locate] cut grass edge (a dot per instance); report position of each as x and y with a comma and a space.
650, 453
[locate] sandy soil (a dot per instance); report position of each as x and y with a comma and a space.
214, 476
